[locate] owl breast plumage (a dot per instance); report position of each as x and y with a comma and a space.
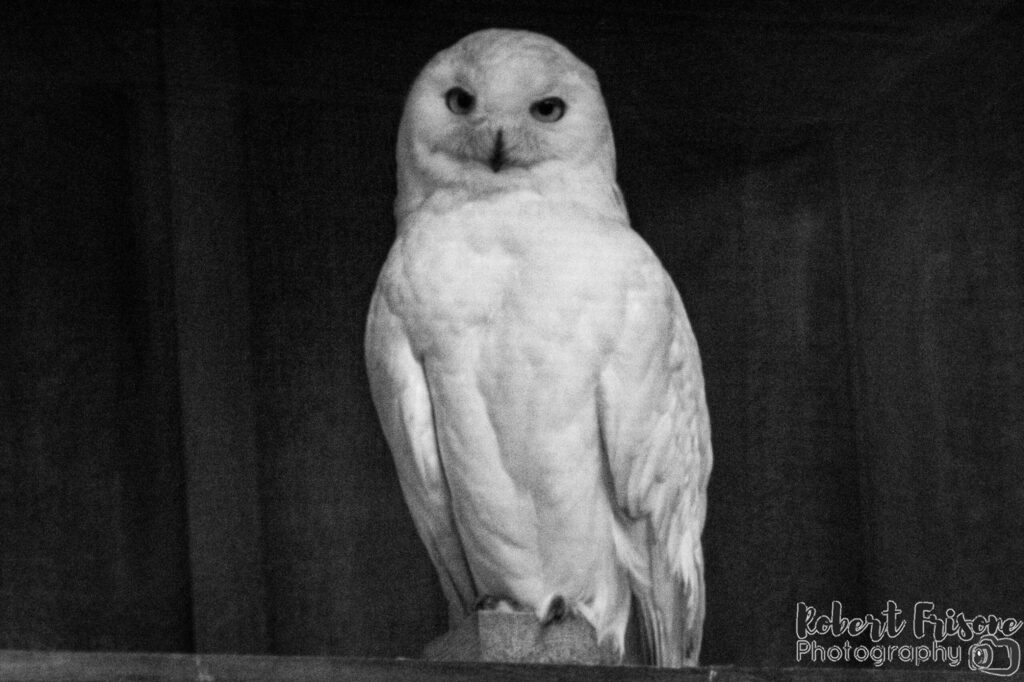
530, 359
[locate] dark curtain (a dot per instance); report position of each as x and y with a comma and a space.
933, 199
93, 548
195, 202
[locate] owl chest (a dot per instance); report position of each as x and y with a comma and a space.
449, 286
471, 284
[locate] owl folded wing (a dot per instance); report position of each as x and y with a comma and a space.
657, 437
400, 395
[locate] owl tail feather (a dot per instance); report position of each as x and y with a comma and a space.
671, 606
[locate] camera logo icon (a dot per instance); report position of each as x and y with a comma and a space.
999, 657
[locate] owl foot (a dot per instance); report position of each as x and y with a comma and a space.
489, 602
558, 609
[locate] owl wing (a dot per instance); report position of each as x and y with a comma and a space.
657, 438
400, 394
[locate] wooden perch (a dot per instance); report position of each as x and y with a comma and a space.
519, 637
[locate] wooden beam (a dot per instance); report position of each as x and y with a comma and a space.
24, 666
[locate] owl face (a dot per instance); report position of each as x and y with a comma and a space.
500, 107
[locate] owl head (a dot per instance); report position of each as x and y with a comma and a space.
501, 110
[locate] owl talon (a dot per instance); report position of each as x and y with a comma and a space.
488, 602
558, 609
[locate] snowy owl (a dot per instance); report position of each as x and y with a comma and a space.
530, 360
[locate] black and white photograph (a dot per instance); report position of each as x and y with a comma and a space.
511, 340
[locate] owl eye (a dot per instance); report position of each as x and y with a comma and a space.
548, 110
459, 101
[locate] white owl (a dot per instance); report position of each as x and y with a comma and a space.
531, 361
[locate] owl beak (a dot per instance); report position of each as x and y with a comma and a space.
498, 158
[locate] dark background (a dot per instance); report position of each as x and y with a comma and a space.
194, 203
